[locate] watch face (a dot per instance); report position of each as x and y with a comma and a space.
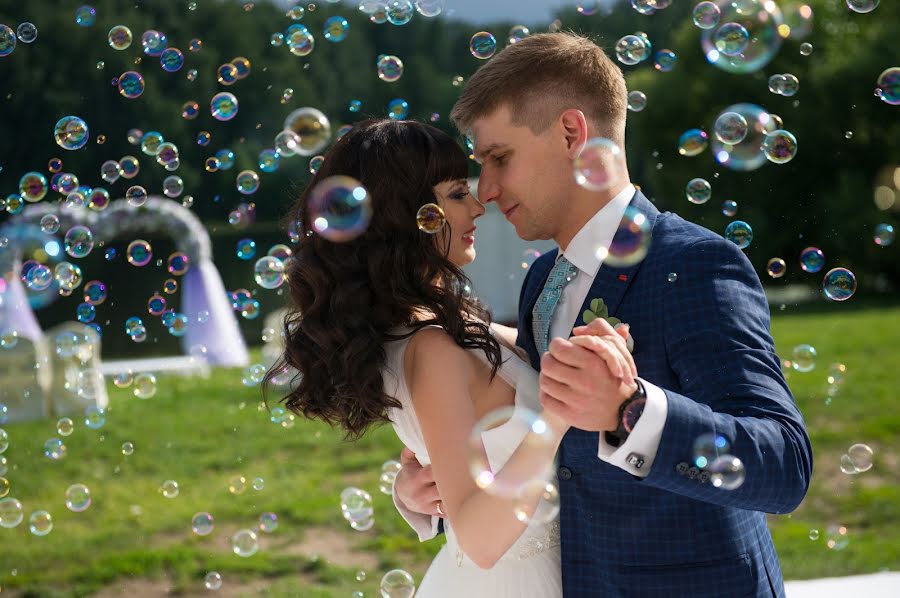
632, 413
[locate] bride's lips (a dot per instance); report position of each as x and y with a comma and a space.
469, 236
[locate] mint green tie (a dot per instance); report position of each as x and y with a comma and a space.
561, 274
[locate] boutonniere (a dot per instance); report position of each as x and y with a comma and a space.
598, 309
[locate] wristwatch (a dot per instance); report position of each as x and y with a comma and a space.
629, 413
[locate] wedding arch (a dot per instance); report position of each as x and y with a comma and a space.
203, 291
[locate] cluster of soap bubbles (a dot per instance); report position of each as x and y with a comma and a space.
784, 84
632, 49
711, 452
857, 459
747, 136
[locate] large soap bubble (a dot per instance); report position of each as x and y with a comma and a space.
748, 38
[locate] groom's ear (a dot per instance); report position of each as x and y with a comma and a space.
575, 128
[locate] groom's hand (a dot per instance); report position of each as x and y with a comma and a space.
584, 379
415, 486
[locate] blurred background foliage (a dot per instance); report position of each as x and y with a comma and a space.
824, 197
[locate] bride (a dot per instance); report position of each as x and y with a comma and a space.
387, 334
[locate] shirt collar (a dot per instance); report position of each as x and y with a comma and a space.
598, 232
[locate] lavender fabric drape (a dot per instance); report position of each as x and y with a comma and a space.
212, 321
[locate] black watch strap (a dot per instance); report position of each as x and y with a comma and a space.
629, 412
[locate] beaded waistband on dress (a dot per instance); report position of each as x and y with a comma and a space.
526, 548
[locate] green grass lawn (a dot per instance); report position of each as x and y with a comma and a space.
202, 433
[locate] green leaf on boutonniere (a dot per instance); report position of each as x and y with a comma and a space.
599, 310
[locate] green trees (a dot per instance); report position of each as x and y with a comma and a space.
823, 197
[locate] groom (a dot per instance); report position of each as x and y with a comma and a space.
645, 509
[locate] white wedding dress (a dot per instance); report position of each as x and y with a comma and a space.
531, 567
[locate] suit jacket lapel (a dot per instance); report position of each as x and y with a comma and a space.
611, 282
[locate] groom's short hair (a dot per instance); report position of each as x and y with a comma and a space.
542, 75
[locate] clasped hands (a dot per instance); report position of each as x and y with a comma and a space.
584, 379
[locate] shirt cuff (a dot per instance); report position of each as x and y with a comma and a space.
425, 526
637, 453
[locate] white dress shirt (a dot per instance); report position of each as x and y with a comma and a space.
586, 252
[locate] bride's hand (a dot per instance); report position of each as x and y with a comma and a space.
614, 351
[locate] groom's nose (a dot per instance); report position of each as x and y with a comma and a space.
488, 190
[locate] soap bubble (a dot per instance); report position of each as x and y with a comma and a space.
399, 12
812, 259
340, 208
861, 456
171, 60
244, 543
429, 8
631, 49
131, 84
888, 86
709, 447
692, 142
776, 267
862, 6
483, 45
520, 423
390, 68
739, 233
40, 523
600, 164
547, 507
268, 522
698, 191
139, 253
430, 218
153, 42
747, 40
631, 241
213, 580
202, 524
884, 234
224, 106
397, 583
706, 15
33, 186
144, 385
247, 182
398, 109
11, 512
335, 29
269, 272
731, 128
804, 358
54, 449
839, 284
7, 40
664, 60
731, 39
120, 37
169, 489
729, 208
78, 498
517, 33
79, 241
71, 133
727, 472
312, 127
637, 100
356, 506
747, 154
26, 32
836, 537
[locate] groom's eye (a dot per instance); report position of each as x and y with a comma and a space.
500, 160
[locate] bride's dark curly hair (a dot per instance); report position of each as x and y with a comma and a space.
346, 298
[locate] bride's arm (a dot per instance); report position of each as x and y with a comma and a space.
507, 336
485, 525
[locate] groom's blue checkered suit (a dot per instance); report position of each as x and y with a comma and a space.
704, 339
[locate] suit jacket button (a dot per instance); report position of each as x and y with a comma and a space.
565, 473
704, 476
681, 468
692, 473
